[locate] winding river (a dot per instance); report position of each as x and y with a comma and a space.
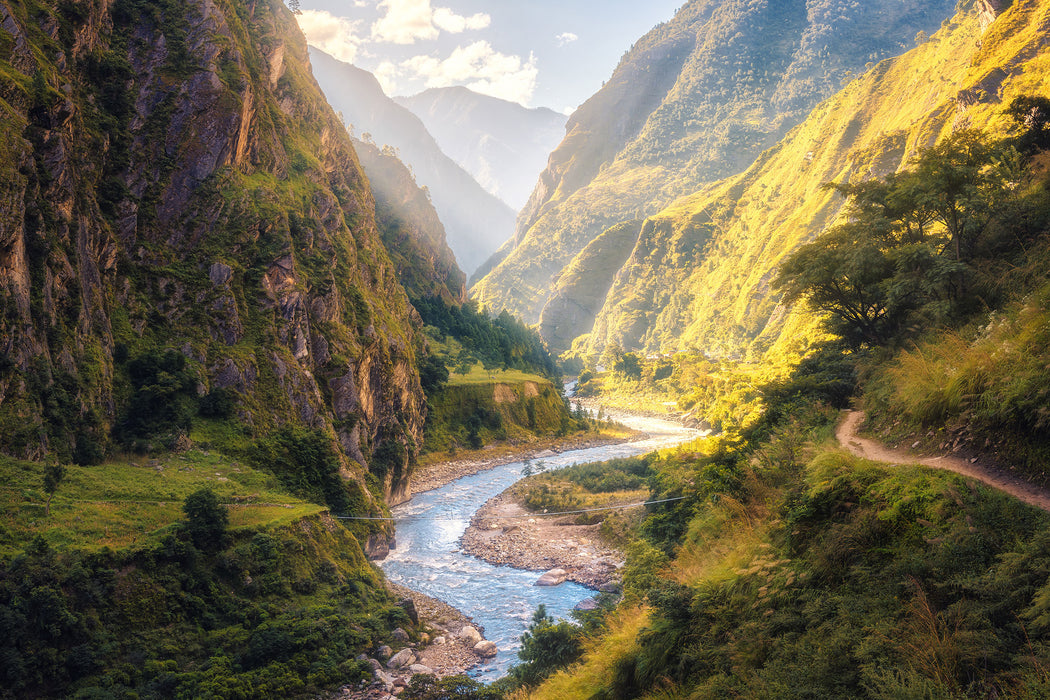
501, 599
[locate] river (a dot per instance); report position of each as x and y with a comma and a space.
500, 599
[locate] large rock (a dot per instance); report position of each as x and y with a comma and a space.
403, 658
486, 649
552, 578
420, 668
470, 635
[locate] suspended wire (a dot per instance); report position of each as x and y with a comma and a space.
411, 518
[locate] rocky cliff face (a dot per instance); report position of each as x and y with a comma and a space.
695, 100
171, 177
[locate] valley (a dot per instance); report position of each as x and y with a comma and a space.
731, 381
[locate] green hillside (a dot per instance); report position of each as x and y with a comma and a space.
695, 100
733, 234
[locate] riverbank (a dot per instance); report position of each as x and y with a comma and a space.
447, 648
431, 475
504, 532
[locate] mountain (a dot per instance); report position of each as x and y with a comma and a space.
185, 226
410, 228
476, 222
699, 273
502, 144
696, 99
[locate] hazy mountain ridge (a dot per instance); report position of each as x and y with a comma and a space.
502, 144
723, 82
476, 222
410, 228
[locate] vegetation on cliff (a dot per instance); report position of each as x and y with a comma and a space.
243, 591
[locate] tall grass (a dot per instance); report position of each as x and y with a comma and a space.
992, 380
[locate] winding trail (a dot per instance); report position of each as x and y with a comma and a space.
846, 433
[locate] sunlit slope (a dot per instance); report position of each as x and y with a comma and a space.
695, 100
699, 274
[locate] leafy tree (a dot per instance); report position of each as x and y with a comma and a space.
629, 365
1031, 113
427, 687
206, 519
54, 474
545, 647
433, 374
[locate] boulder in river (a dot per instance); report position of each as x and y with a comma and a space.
587, 604
403, 658
486, 649
552, 578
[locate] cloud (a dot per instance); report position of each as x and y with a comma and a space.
566, 38
409, 21
481, 68
448, 20
336, 36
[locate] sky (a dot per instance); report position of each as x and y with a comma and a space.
549, 53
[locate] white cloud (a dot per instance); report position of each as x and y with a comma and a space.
482, 69
336, 36
409, 21
566, 38
405, 22
448, 20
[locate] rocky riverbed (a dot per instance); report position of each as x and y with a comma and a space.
504, 532
451, 645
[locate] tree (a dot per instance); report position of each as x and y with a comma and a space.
545, 647
629, 365
206, 519
54, 474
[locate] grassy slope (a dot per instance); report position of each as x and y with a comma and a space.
722, 303
820, 575
123, 503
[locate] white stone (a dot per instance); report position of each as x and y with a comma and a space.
552, 578
403, 658
486, 648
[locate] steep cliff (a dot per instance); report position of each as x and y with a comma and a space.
172, 178
695, 100
410, 228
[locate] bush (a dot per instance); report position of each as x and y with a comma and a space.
206, 519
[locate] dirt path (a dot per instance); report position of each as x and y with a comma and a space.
846, 433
